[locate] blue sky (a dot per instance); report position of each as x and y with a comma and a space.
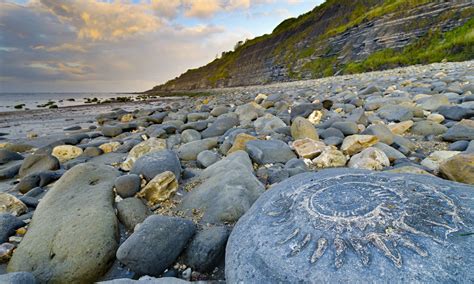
92, 45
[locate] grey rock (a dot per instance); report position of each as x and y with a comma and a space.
38, 163
147, 280
304, 109
132, 211
111, 130
219, 110
460, 145
269, 151
221, 125
433, 102
156, 244
190, 135
18, 278
206, 249
155, 163
427, 127
127, 185
197, 125
395, 113
189, 151
74, 221
9, 170
228, 190
110, 159
8, 225
296, 166
391, 153
27, 183
8, 156
463, 130
331, 132
334, 141
326, 227
92, 152
195, 116
455, 112
207, 158
346, 127
382, 132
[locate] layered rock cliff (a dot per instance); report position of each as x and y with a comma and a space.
340, 37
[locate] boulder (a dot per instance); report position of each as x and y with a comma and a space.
150, 165
190, 135
131, 212
160, 188
228, 190
355, 143
328, 227
267, 124
463, 130
249, 112
370, 159
220, 126
269, 151
65, 153
156, 244
8, 225
459, 168
73, 234
148, 146
301, 128
308, 148
207, 158
127, 185
189, 151
330, 158
11, 205
38, 163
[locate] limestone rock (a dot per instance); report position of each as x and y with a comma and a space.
330, 158
327, 227
355, 143
148, 146
239, 142
433, 161
110, 146
66, 152
369, 159
301, 128
160, 188
12, 205
459, 168
73, 234
408, 170
401, 127
308, 148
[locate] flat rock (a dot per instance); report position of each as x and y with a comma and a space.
155, 245
358, 226
73, 234
38, 163
269, 151
150, 165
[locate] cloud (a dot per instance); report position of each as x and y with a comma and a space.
202, 8
167, 8
61, 47
100, 20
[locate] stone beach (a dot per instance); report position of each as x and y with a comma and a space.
353, 178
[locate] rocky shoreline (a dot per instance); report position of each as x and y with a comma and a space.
155, 189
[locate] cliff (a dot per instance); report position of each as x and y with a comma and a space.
342, 37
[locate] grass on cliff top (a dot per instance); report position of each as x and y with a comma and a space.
455, 45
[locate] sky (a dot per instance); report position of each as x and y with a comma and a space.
124, 45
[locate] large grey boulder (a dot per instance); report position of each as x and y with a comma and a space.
228, 190
356, 226
73, 234
269, 151
155, 163
156, 244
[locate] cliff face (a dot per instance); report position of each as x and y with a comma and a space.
340, 37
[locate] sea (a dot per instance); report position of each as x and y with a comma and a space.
8, 101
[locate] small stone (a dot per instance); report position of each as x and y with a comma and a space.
308, 148
355, 143
369, 159
12, 205
190, 135
207, 158
110, 147
315, 117
111, 130
239, 142
330, 158
189, 151
6, 252
267, 124
127, 185
92, 152
249, 112
221, 125
153, 164
401, 127
427, 127
438, 118
346, 127
301, 128
66, 152
459, 168
434, 160
131, 212
381, 131
151, 145
160, 188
